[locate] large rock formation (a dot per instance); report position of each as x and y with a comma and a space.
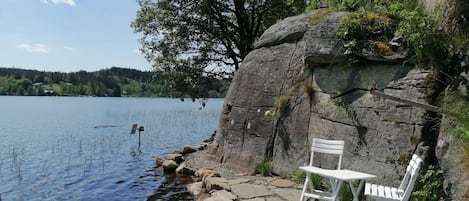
298, 75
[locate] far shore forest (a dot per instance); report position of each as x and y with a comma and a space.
112, 82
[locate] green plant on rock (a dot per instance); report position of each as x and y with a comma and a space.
271, 115
423, 36
345, 109
347, 5
298, 176
265, 167
395, 27
458, 107
312, 5
318, 16
281, 103
429, 186
280, 106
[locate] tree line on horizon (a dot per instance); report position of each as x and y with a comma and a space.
112, 82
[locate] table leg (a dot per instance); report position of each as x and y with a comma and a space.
356, 192
335, 188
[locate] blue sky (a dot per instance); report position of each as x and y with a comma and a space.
69, 35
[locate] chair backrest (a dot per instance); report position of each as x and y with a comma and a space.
410, 177
335, 147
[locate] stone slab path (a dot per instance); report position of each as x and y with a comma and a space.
265, 189
244, 187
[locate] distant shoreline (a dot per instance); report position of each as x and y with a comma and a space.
112, 82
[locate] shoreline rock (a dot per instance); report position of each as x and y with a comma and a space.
212, 181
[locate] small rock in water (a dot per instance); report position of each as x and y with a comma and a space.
175, 157
159, 161
169, 166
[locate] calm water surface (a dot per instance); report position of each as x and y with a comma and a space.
80, 148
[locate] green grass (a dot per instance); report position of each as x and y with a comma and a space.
265, 168
298, 176
458, 108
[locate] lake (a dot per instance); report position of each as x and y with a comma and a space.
80, 148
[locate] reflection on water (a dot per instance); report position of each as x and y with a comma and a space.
80, 148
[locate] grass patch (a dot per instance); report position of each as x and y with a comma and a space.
298, 176
265, 168
281, 103
458, 108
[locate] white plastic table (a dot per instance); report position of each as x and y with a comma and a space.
336, 177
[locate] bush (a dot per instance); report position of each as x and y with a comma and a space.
381, 21
429, 186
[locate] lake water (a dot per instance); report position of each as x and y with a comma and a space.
80, 148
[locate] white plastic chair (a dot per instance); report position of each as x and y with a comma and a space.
403, 193
334, 147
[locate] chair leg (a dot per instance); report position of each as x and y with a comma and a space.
304, 188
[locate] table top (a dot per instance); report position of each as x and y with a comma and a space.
343, 174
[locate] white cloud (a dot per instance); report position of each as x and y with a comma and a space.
68, 48
67, 2
36, 48
137, 51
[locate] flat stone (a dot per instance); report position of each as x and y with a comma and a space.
275, 198
238, 181
196, 188
169, 166
206, 171
247, 191
222, 195
255, 199
260, 182
288, 193
283, 183
175, 157
216, 183
203, 197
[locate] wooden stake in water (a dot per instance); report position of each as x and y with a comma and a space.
140, 129
134, 128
